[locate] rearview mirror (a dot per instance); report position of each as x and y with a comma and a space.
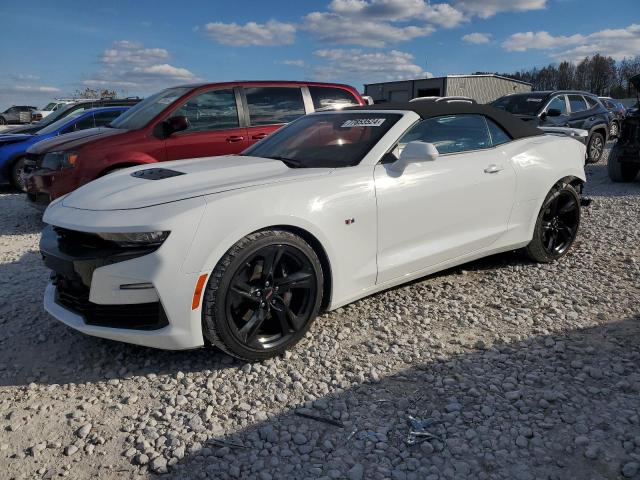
417, 151
553, 112
175, 124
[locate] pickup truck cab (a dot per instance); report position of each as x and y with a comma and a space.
180, 122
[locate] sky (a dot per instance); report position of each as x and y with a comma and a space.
50, 49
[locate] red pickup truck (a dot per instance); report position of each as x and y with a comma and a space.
177, 123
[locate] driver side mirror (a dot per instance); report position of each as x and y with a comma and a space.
173, 125
554, 112
416, 151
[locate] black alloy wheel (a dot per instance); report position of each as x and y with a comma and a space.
596, 147
267, 296
557, 225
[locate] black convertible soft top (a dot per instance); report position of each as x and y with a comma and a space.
515, 127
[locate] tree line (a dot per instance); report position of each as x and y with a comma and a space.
598, 74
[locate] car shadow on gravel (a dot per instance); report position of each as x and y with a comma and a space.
600, 185
15, 221
555, 406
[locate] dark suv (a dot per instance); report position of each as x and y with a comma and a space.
564, 108
79, 106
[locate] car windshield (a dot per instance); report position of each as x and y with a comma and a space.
58, 114
326, 140
529, 104
52, 127
145, 111
50, 106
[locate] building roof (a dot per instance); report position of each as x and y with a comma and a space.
515, 127
455, 76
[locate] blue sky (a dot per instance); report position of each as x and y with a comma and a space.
51, 48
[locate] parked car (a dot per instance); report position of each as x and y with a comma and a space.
572, 109
243, 251
17, 114
71, 108
624, 158
13, 147
52, 107
618, 112
181, 122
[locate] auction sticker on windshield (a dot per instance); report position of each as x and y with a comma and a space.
363, 122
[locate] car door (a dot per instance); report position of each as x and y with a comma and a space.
579, 111
558, 102
434, 211
214, 126
271, 107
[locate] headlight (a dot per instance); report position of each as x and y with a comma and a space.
59, 160
135, 239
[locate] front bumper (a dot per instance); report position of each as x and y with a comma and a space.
87, 294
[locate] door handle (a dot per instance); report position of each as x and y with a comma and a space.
258, 136
493, 168
234, 139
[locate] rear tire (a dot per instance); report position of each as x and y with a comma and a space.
620, 172
262, 296
557, 225
3, 121
595, 147
16, 174
615, 129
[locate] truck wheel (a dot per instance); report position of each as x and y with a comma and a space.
595, 147
2, 121
621, 172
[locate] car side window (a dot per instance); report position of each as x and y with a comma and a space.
105, 118
327, 98
591, 102
214, 110
498, 135
274, 105
577, 103
559, 104
451, 133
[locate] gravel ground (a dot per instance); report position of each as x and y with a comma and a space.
503, 369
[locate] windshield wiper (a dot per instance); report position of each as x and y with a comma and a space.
289, 162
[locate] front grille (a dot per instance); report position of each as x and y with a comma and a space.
74, 295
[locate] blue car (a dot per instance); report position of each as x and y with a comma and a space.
13, 147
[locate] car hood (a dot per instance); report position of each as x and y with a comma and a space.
73, 140
8, 138
191, 178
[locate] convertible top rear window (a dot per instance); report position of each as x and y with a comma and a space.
330, 140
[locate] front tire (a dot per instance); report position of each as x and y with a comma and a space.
557, 225
263, 295
620, 172
3, 121
595, 148
17, 169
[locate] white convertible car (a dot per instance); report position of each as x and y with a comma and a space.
243, 251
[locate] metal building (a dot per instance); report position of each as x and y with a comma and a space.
482, 88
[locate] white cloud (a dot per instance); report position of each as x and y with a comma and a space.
130, 65
292, 63
617, 43
26, 77
477, 38
338, 29
357, 65
29, 89
489, 8
252, 33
